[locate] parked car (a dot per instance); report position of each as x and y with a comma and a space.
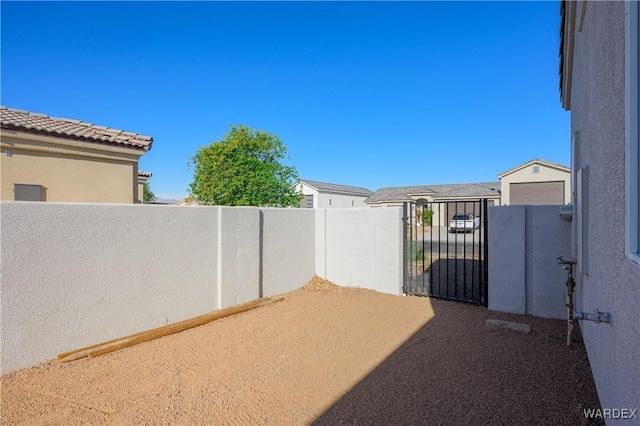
465, 222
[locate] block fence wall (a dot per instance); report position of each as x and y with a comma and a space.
524, 275
72, 275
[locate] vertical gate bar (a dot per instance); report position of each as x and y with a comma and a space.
415, 249
431, 253
473, 249
440, 253
486, 253
455, 249
464, 257
447, 258
404, 248
414, 281
481, 265
423, 259
412, 250
482, 258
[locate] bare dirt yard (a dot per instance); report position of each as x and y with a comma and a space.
324, 355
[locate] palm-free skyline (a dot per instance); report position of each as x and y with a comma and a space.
367, 94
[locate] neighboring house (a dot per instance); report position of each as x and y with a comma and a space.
143, 177
63, 160
459, 198
189, 200
536, 182
599, 85
330, 195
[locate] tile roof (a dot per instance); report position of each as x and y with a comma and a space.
337, 188
29, 122
144, 174
403, 193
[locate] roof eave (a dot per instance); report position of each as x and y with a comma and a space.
130, 145
529, 163
567, 31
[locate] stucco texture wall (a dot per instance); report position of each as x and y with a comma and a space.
361, 248
288, 249
524, 275
612, 284
72, 275
70, 178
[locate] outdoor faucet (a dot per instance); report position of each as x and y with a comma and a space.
596, 316
568, 265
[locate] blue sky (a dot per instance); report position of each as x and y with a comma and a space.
368, 94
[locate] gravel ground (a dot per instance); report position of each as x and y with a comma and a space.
324, 355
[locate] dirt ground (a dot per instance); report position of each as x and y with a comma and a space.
324, 355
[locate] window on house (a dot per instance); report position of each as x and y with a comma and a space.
25, 192
632, 166
309, 199
536, 169
351, 203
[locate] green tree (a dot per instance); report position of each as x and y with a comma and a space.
244, 169
147, 196
427, 217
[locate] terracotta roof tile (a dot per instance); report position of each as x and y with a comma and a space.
29, 122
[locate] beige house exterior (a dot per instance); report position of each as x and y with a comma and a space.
62, 160
536, 182
143, 177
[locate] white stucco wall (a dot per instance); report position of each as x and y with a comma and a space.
238, 255
526, 175
361, 248
613, 283
524, 275
72, 275
507, 266
288, 249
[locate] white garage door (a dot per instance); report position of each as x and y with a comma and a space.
537, 193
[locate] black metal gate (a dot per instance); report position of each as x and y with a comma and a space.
445, 251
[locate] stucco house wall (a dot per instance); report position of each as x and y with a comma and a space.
143, 177
67, 176
525, 174
593, 89
72, 161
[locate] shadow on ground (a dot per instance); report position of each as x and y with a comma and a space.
459, 279
455, 370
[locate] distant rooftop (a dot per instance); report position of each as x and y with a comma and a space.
30, 122
536, 161
336, 188
403, 193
